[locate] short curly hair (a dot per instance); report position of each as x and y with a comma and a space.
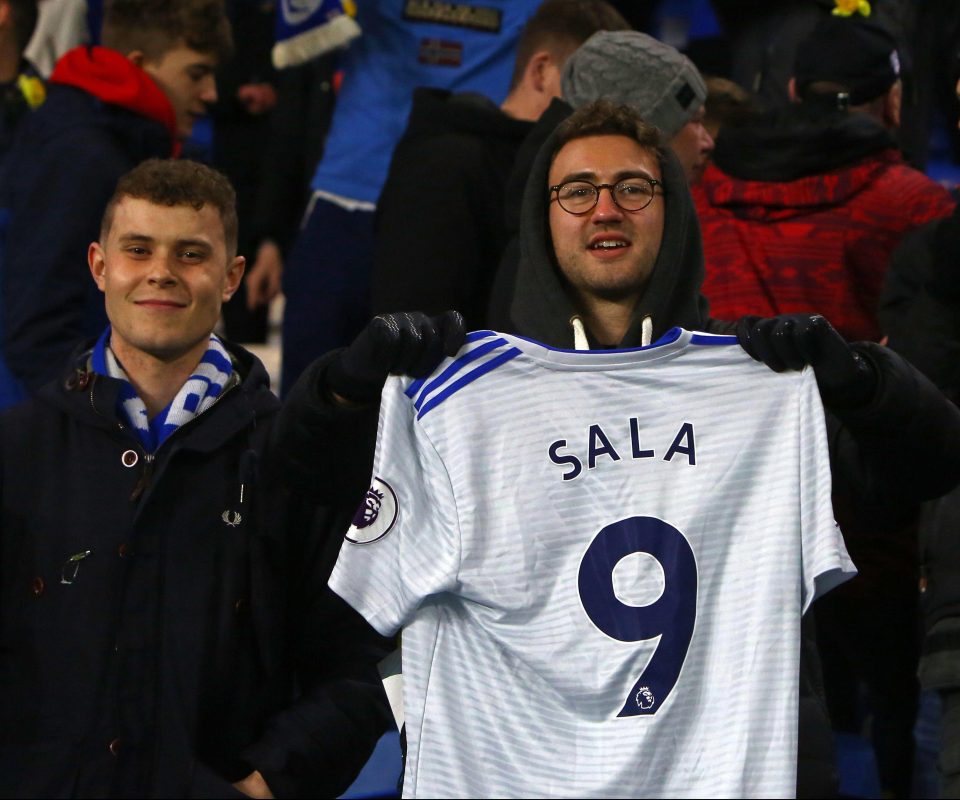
178, 182
605, 118
156, 26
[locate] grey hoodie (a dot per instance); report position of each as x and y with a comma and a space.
540, 307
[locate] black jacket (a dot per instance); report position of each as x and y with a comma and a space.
920, 311
902, 448
919, 308
165, 624
440, 226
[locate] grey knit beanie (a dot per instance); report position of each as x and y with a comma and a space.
637, 70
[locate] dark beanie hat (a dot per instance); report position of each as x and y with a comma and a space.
857, 54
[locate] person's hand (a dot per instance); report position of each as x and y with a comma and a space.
254, 786
403, 343
264, 278
257, 98
792, 341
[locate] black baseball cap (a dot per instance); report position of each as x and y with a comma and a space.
855, 53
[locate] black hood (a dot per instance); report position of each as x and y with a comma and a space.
556, 112
541, 308
797, 141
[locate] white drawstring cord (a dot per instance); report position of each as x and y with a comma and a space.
646, 332
579, 334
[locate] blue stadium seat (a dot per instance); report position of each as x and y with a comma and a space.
381, 773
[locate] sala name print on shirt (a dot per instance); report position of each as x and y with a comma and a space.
599, 444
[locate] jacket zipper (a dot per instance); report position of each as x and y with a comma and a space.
150, 458
145, 476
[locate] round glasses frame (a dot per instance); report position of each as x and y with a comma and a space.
614, 188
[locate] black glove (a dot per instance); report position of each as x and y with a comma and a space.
846, 379
403, 343
945, 281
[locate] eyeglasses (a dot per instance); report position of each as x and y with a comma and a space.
580, 197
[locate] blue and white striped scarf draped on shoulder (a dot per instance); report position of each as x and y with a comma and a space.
198, 393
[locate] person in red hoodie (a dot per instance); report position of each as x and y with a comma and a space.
801, 210
108, 108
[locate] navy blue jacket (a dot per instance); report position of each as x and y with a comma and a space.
165, 623
15, 106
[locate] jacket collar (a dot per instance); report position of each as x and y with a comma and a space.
92, 399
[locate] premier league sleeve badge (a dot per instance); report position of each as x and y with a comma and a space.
376, 515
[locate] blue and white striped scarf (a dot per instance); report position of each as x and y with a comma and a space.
200, 391
309, 28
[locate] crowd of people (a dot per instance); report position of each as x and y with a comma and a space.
545, 169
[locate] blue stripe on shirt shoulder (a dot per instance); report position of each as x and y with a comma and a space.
465, 380
713, 339
414, 387
455, 366
474, 336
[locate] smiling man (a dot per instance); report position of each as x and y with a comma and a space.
164, 278
607, 224
165, 630
108, 109
612, 210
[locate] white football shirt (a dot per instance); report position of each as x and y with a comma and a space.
599, 560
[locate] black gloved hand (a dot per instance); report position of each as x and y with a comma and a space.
945, 281
791, 341
403, 343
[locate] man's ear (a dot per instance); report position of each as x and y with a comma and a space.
535, 75
892, 103
98, 264
234, 276
137, 57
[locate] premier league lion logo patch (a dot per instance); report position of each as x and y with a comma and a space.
645, 698
376, 515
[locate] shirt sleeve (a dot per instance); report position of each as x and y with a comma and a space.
404, 543
826, 563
